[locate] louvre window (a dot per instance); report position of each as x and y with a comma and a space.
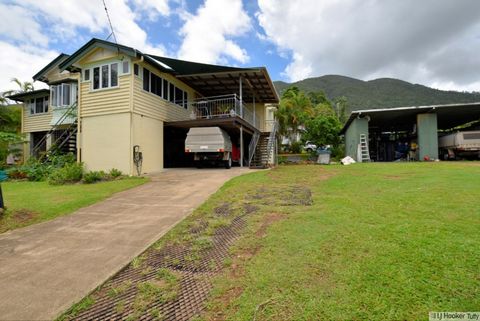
163, 88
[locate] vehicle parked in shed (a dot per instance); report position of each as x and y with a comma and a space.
460, 145
211, 145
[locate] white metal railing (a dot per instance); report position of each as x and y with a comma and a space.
221, 107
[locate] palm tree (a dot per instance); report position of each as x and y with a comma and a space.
295, 107
24, 86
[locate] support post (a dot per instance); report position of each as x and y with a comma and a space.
241, 146
254, 123
240, 91
427, 136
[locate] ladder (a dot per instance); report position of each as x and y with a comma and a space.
364, 153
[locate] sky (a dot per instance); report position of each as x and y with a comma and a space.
430, 42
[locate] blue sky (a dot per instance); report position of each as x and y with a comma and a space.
432, 42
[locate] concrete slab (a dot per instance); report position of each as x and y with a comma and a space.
45, 268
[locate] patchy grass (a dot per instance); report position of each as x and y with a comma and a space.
360, 242
33, 202
379, 242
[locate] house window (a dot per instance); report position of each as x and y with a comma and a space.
185, 100
114, 75
96, 77
171, 96
165, 89
162, 88
125, 67
63, 95
86, 75
146, 79
38, 105
105, 76
136, 70
178, 96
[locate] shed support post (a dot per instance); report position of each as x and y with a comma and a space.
241, 146
427, 136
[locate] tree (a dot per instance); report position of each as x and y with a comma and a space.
340, 108
24, 86
323, 130
294, 109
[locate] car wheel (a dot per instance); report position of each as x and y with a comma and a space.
228, 163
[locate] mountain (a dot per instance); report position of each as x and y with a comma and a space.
378, 93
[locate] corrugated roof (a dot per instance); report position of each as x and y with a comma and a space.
401, 118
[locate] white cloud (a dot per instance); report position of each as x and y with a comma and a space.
22, 63
29, 27
19, 24
152, 8
67, 18
430, 42
208, 35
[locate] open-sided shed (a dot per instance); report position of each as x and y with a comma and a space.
419, 123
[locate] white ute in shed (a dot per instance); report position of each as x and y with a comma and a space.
461, 144
209, 145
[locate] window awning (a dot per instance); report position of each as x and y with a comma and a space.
28, 94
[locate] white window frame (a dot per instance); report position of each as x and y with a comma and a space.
109, 73
123, 72
32, 106
57, 92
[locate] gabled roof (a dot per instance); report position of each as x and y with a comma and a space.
207, 79
39, 75
80, 53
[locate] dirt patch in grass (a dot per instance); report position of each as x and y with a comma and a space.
17, 218
223, 210
284, 195
269, 220
236, 269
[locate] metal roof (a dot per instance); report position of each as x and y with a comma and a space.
402, 118
39, 75
28, 94
207, 79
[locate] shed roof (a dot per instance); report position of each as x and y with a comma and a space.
402, 118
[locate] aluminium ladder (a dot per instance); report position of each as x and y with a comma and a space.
364, 153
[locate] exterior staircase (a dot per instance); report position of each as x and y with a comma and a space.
264, 149
261, 157
63, 135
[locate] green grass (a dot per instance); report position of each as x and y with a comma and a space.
33, 202
380, 242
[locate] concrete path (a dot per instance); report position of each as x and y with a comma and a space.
47, 267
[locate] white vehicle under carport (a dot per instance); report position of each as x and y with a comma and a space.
460, 145
210, 145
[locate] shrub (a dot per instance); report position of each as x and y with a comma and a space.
93, 177
36, 170
69, 173
114, 173
16, 173
296, 147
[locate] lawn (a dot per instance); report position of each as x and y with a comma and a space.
361, 242
33, 202
380, 242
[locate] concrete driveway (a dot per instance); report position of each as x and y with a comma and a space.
47, 267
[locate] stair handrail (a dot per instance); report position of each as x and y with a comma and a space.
54, 127
271, 139
252, 147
